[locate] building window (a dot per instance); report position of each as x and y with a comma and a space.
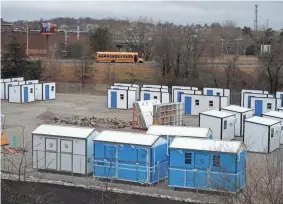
217, 94
272, 132
31, 90
225, 124
216, 160
122, 96
210, 103
269, 106
154, 97
52, 88
197, 102
188, 158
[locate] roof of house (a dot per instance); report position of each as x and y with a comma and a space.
263, 121
178, 131
237, 109
277, 114
63, 131
126, 138
218, 114
206, 145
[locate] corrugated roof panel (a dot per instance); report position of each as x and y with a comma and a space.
178, 131
206, 145
276, 114
126, 138
63, 131
237, 109
216, 113
263, 121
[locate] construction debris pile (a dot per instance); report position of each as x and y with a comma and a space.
96, 122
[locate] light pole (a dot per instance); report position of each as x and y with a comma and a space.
27, 38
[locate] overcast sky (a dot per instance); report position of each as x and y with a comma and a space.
179, 12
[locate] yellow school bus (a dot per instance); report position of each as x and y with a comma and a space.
122, 57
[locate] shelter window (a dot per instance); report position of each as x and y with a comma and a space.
31, 90
217, 94
210, 103
197, 102
122, 96
154, 97
225, 124
272, 132
269, 105
188, 158
52, 88
216, 160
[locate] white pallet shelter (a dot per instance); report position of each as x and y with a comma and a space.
262, 105
171, 132
17, 79
121, 98
154, 86
242, 113
6, 90
160, 94
262, 134
177, 93
6, 80
245, 99
279, 99
194, 104
21, 93
21, 82
45, 91
130, 85
32, 81
276, 115
217, 92
222, 124
63, 148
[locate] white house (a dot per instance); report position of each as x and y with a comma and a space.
17, 79
217, 92
5, 92
32, 81
262, 134
262, 105
130, 85
45, 91
194, 104
21, 82
242, 113
63, 148
155, 86
160, 94
177, 93
21, 93
121, 98
245, 99
222, 124
276, 115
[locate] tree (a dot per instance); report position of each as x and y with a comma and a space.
74, 51
15, 63
100, 39
272, 63
13, 60
84, 69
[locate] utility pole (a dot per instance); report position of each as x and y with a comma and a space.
255, 21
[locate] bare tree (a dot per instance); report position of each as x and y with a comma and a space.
84, 70
272, 63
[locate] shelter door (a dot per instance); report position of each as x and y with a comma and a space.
47, 92
142, 165
258, 107
179, 94
25, 94
188, 105
111, 164
51, 153
210, 92
66, 155
202, 165
146, 96
113, 99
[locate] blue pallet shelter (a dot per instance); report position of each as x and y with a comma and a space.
130, 157
207, 164
170, 132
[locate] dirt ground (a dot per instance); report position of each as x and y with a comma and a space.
29, 116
